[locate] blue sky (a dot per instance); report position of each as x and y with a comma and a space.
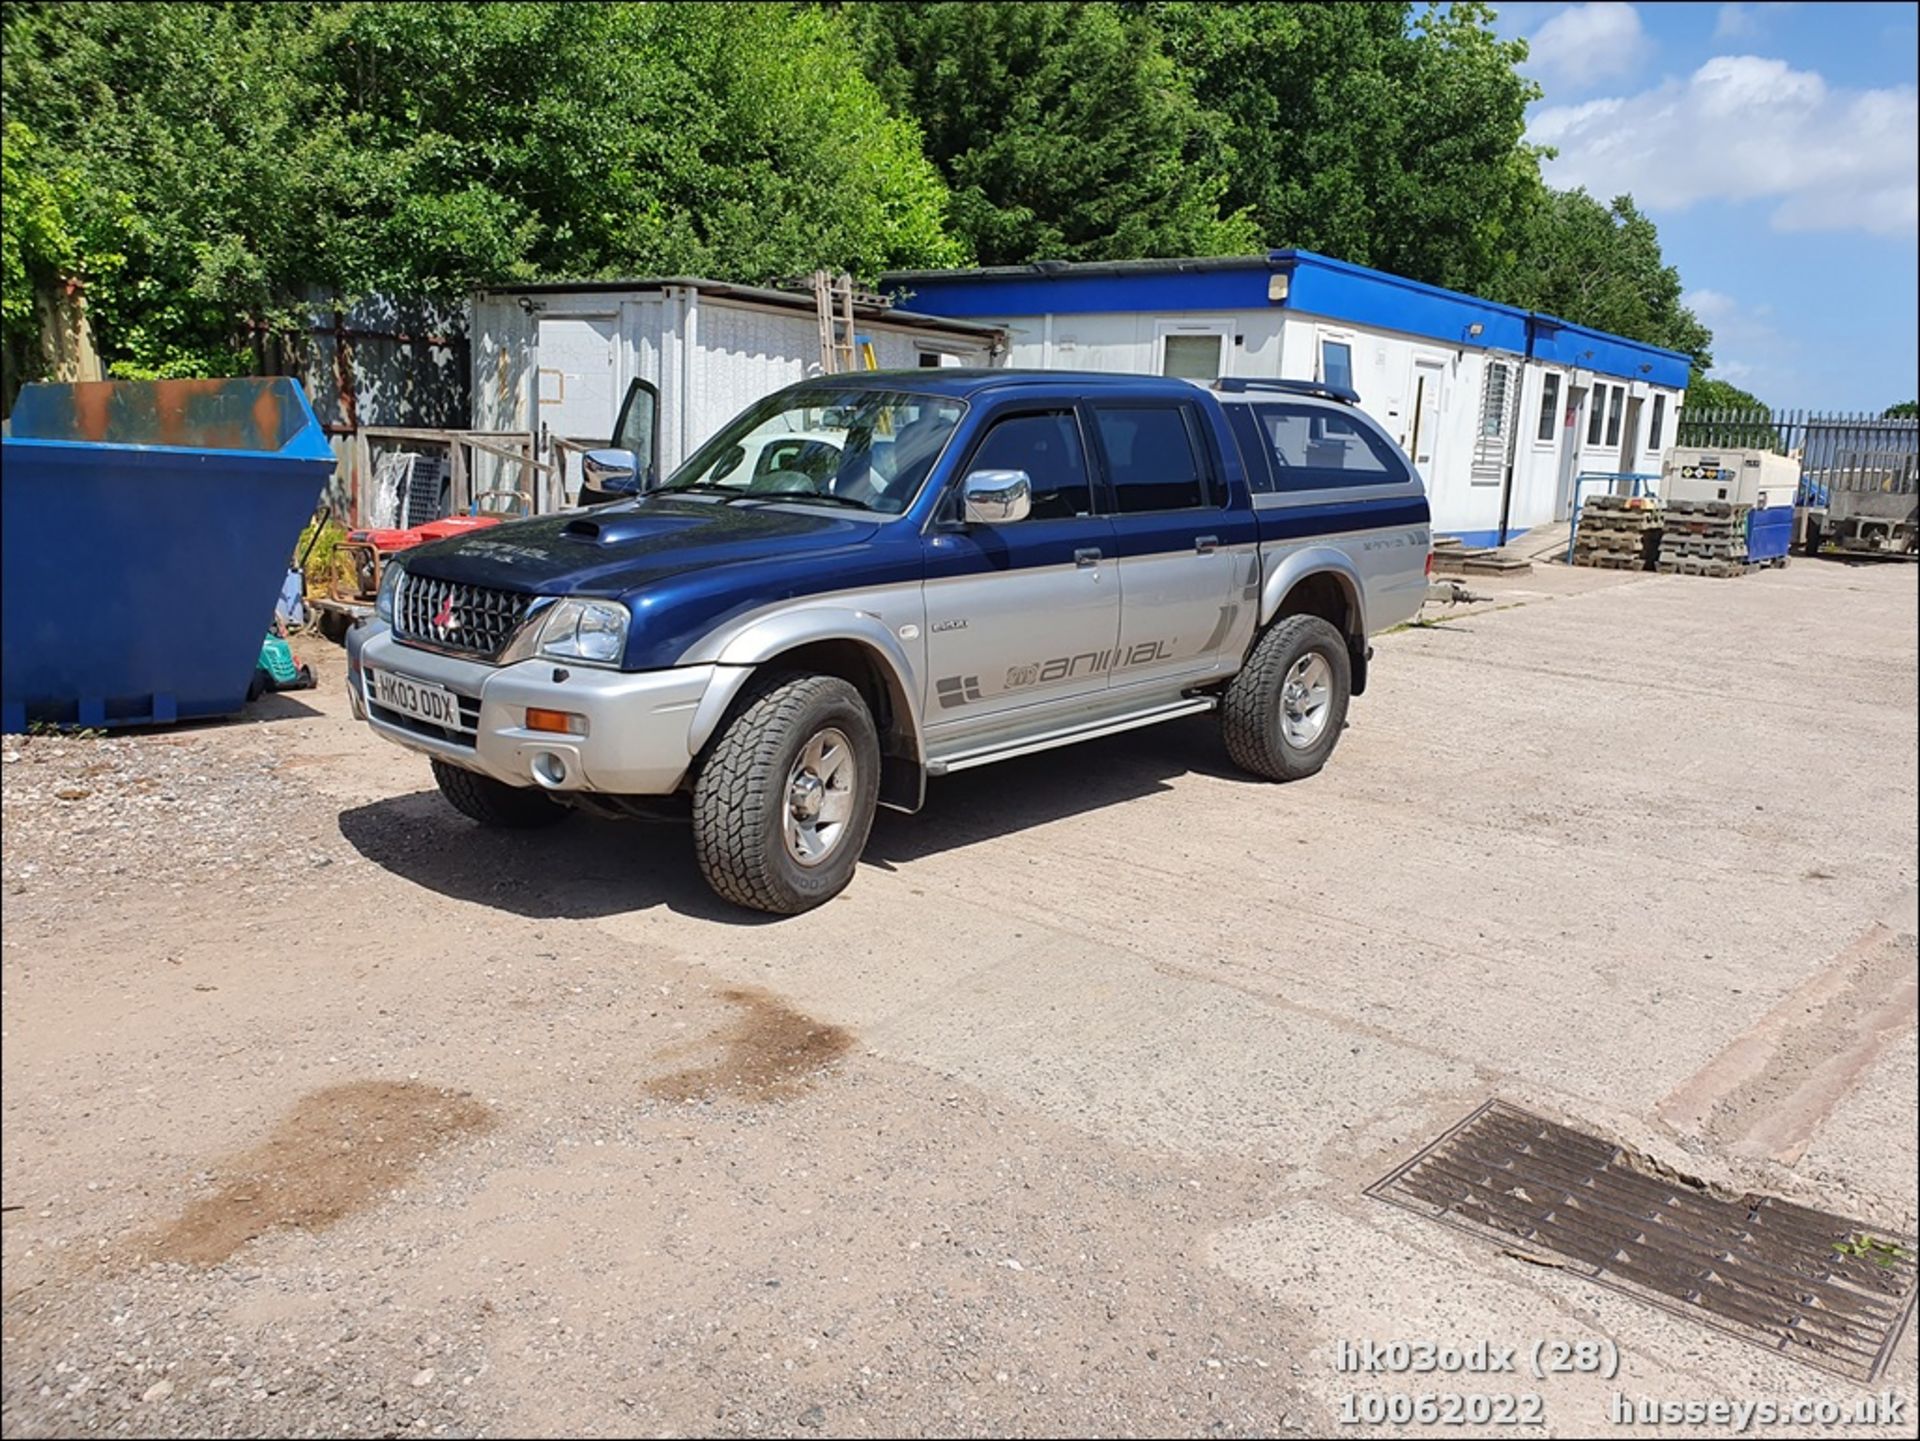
1775, 146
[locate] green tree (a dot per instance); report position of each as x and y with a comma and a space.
55, 239
269, 151
1365, 133
594, 140
1905, 410
1707, 393
1601, 265
1063, 129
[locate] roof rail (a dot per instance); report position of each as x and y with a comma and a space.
1323, 389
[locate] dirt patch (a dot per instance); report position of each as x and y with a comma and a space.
338, 1150
771, 1052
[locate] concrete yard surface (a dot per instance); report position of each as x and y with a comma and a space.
327, 1112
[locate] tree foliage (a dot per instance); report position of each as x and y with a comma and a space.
1705, 393
199, 169
1064, 130
1367, 133
274, 150
1600, 265
1905, 410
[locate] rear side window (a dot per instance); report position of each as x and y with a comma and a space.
1251, 437
1151, 457
1047, 447
1319, 448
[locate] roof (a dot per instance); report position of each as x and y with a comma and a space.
1298, 280
757, 294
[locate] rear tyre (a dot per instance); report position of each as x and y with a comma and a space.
785, 798
494, 803
1284, 711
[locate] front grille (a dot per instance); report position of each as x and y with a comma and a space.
450, 615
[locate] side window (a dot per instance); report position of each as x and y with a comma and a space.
1596, 413
1047, 447
1319, 448
1254, 449
1151, 457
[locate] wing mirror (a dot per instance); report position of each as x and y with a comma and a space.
997, 497
610, 472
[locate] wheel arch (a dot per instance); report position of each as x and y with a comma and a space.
1322, 581
857, 648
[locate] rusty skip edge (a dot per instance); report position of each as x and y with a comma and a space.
232, 413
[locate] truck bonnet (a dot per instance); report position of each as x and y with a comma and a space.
617, 549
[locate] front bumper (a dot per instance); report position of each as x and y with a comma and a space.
639, 725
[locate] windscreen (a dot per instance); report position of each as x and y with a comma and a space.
857, 447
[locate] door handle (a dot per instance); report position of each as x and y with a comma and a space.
1087, 555
1206, 544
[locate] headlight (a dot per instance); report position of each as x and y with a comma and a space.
587, 630
390, 579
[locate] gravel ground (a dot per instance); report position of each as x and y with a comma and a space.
102, 816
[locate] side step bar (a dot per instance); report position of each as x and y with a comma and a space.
1006, 750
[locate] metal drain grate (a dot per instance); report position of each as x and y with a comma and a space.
1818, 1287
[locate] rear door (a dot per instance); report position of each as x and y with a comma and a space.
1180, 542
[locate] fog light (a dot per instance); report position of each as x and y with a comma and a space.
560, 722
549, 769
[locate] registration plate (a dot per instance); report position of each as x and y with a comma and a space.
423, 700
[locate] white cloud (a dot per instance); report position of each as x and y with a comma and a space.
1748, 348
1740, 22
1744, 128
1585, 44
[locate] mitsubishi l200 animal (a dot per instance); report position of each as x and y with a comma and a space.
947, 568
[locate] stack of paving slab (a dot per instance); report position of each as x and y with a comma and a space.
1451, 556
1619, 532
1705, 537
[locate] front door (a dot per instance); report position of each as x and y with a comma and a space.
1022, 616
1426, 418
575, 383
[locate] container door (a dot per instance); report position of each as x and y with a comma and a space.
576, 395
1426, 418
1570, 449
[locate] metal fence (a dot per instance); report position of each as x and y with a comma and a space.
1836, 451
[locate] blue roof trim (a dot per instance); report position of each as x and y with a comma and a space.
1353, 293
1316, 285
1560, 342
964, 294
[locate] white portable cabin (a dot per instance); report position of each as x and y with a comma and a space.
557, 359
1502, 410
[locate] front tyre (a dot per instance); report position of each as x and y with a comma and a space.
1283, 713
494, 803
784, 801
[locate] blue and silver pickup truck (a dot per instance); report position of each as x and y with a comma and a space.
868, 580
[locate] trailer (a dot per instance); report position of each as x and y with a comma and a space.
1870, 504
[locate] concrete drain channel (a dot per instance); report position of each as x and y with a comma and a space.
1820, 1288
